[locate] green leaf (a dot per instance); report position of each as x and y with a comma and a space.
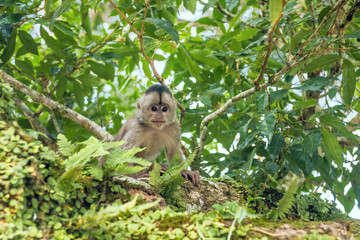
105, 71
276, 144
304, 104
9, 49
65, 6
348, 81
302, 159
89, 81
230, 4
25, 66
332, 93
355, 181
189, 63
13, 18
311, 143
262, 101
127, 50
79, 94
276, 7
315, 84
61, 86
28, 41
205, 57
167, 26
246, 34
192, 6
337, 124
279, 94
52, 43
146, 68
321, 62
331, 147
267, 125
61, 26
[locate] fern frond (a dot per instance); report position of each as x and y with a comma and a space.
94, 218
65, 146
155, 176
80, 158
173, 172
96, 172
110, 145
124, 169
120, 156
286, 202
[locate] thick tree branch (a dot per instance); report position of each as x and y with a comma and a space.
36, 124
93, 127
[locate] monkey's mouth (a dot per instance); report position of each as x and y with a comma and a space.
158, 123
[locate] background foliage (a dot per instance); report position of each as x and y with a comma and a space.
296, 64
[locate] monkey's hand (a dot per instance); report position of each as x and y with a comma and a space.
194, 176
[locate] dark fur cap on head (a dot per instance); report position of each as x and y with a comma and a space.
158, 88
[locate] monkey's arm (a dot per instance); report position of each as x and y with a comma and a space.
194, 176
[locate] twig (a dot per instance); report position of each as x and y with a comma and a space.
325, 49
313, 17
221, 9
268, 52
322, 24
91, 126
81, 60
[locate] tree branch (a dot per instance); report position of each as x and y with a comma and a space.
323, 22
205, 122
36, 124
268, 52
91, 126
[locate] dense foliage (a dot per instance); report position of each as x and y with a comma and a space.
267, 87
48, 196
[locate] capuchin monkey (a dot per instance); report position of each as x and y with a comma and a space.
155, 127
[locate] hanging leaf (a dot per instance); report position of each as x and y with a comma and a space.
167, 26
28, 41
348, 82
321, 62
9, 49
276, 7
337, 124
65, 6
331, 147
267, 125
79, 94
276, 144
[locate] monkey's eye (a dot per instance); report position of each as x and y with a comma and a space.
164, 109
154, 109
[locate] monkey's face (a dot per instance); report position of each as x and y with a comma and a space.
158, 115
157, 110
